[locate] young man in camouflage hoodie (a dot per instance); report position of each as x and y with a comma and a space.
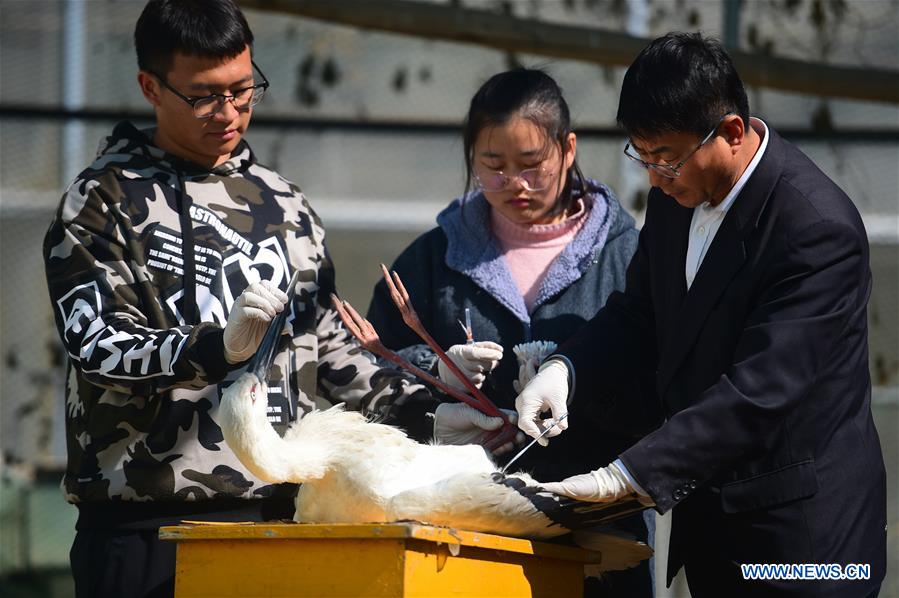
166, 259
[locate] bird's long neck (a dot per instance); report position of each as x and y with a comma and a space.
258, 446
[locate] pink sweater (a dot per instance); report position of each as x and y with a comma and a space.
530, 249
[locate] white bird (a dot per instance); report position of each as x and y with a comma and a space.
353, 470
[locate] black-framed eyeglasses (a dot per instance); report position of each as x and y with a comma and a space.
532, 179
667, 170
208, 106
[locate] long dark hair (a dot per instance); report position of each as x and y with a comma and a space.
535, 96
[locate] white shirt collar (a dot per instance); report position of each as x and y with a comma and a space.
762, 129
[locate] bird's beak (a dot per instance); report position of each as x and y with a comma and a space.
265, 354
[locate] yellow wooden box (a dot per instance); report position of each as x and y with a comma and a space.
396, 559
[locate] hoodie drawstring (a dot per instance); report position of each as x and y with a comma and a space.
191, 310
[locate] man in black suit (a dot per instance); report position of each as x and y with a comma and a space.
747, 301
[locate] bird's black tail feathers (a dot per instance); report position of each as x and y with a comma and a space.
567, 512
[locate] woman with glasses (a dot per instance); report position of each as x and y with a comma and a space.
529, 253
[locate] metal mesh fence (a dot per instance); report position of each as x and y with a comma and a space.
378, 187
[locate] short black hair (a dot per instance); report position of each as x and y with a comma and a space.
681, 82
206, 28
531, 94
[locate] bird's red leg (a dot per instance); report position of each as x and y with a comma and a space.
506, 433
401, 299
362, 329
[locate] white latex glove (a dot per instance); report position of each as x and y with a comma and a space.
249, 317
547, 391
457, 423
476, 360
606, 484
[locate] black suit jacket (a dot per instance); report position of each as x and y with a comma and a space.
769, 452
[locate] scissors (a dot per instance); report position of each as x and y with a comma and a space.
531, 443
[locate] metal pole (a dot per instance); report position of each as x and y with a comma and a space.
74, 34
633, 179
731, 25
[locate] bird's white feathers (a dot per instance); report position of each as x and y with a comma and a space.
245, 426
475, 501
354, 471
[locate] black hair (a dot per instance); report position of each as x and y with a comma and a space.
205, 28
683, 83
530, 94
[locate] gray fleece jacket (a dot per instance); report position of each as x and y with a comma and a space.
459, 265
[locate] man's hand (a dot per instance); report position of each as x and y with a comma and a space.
606, 484
249, 317
547, 391
476, 360
457, 423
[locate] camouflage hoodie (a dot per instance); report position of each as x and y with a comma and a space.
144, 258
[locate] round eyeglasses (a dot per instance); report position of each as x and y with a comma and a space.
532, 179
667, 170
208, 106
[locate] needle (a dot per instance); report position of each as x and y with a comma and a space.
466, 327
531, 443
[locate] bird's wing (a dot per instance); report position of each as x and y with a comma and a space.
567, 512
618, 551
475, 502
512, 505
